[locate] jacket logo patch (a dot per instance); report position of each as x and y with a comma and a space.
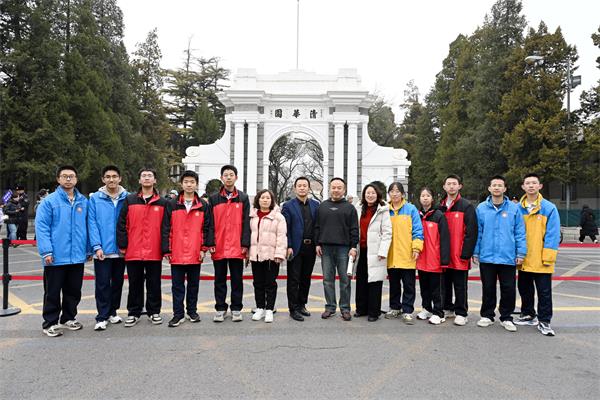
237, 206
455, 215
156, 208
539, 217
504, 215
197, 213
79, 209
430, 224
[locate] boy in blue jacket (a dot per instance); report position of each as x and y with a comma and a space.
501, 246
109, 263
61, 231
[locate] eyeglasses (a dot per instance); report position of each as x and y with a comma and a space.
111, 176
68, 177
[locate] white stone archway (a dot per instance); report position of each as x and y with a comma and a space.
332, 109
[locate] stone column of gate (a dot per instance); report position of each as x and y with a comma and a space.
352, 159
252, 158
338, 151
238, 153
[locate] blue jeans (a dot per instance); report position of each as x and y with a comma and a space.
12, 231
335, 258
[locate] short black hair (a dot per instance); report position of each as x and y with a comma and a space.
302, 178
532, 175
396, 185
257, 198
63, 168
498, 177
146, 169
229, 167
337, 178
189, 174
453, 176
111, 168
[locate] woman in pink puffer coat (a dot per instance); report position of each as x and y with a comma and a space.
268, 246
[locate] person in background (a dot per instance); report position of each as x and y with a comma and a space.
588, 224
23, 213
375, 237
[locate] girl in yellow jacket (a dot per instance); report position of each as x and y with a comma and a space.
407, 243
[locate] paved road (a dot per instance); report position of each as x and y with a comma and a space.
313, 359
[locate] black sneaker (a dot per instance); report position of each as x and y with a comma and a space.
175, 321
194, 317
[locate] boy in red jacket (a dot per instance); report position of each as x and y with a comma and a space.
189, 225
228, 239
143, 236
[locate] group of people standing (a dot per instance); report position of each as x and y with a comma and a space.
373, 240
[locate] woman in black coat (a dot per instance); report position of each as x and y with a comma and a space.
588, 225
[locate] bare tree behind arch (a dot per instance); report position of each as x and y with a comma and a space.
291, 156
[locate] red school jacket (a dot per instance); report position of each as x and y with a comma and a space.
188, 230
436, 244
462, 224
229, 225
143, 228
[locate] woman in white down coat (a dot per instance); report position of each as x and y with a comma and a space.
375, 238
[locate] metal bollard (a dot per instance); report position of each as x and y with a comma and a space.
6, 278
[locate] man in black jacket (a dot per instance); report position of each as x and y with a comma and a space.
336, 235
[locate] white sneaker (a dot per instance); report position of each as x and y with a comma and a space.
436, 320
53, 331
219, 316
485, 322
449, 314
408, 319
460, 320
269, 316
236, 316
72, 325
546, 329
115, 319
509, 326
259, 314
100, 326
423, 315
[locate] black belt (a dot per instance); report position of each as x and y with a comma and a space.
307, 241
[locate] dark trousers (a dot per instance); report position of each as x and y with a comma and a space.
543, 284
490, 273
265, 283
299, 272
401, 278
179, 274
68, 280
455, 279
582, 237
138, 273
368, 294
431, 292
22, 228
109, 286
236, 267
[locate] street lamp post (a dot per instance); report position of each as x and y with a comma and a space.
572, 82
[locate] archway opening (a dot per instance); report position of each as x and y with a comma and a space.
293, 155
